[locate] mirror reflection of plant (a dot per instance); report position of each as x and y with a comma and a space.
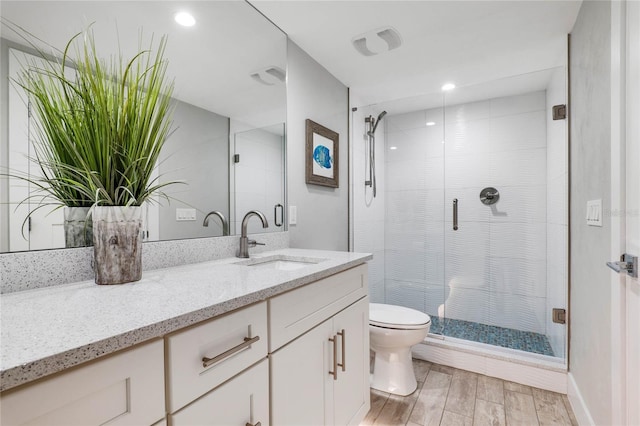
100, 132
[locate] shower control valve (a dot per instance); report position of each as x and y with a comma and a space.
489, 196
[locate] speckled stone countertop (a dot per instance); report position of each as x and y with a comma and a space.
47, 330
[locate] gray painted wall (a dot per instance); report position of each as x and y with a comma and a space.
197, 153
590, 314
258, 177
315, 94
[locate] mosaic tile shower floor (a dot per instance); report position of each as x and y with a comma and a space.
492, 335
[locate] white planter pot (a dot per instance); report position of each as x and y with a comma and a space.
78, 230
117, 241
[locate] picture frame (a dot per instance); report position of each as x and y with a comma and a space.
322, 155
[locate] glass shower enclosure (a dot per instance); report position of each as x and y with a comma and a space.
470, 221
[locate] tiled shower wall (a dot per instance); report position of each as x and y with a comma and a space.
368, 212
493, 269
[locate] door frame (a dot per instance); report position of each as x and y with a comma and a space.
624, 102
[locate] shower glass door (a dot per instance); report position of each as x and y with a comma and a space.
505, 178
494, 152
414, 221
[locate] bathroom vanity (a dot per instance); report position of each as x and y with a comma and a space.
281, 338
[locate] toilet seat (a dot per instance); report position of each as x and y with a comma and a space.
397, 317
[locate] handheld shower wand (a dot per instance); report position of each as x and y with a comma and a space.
377, 121
373, 125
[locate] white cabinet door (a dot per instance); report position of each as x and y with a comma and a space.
240, 401
351, 390
303, 392
300, 381
122, 389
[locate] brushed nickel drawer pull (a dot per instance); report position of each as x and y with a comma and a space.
334, 373
248, 341
344, 351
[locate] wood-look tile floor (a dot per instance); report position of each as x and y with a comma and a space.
448, 396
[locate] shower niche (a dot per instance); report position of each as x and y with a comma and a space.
470, 221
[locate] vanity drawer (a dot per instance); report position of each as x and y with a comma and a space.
230, 343
243, 400
299, 310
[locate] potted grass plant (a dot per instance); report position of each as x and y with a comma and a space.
101, 124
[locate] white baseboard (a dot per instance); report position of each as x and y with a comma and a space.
537, 373
577, 403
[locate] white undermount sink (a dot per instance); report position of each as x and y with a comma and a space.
280, 262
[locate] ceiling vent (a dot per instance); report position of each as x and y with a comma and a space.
377, 41
270, 76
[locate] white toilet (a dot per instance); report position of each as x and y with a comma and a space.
393, 330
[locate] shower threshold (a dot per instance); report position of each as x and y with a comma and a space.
492, 335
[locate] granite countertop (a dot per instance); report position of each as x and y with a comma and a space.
47, 330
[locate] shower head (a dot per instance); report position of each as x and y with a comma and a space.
376, 122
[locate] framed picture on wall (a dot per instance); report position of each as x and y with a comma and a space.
322, 155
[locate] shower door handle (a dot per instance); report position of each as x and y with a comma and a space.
455, 214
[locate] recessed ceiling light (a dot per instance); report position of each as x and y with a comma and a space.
393, 147
185, 19
431, 123
448, 86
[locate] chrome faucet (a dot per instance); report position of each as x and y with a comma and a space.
245, 243
225, 224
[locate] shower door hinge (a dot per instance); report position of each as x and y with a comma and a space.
559, 112
559, 315
236, 158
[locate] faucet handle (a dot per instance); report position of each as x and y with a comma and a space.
253, 243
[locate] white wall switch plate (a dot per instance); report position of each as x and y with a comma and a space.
293, 215
185, 214
594, 212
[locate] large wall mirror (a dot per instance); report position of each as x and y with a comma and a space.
228, 143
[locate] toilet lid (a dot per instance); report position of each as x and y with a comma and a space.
392, 316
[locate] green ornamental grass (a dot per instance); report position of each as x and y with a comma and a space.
101, 124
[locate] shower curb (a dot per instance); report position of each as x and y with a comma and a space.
539, 373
